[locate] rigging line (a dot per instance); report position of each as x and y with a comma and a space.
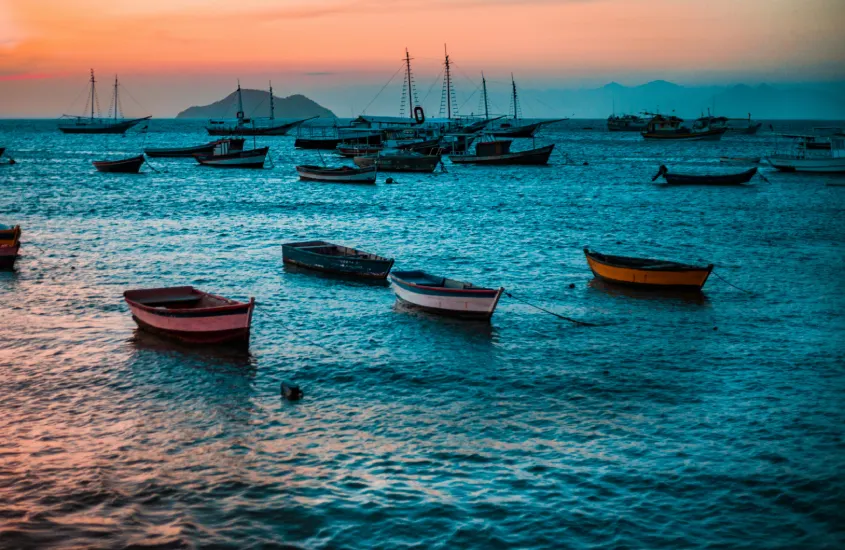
85, 89
122, 87
731, 284
571, 320
436, 80
402, 67
472, 95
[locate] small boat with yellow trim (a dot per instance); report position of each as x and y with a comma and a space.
647, 273
10, 243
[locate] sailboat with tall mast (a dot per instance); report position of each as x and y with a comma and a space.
244, 126
515, 127
91, 124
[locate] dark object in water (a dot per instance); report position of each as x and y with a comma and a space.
706, 179
125, 166
389, 180
234, 144
332, 258
571, 285
498, 152
647, 272
291, 392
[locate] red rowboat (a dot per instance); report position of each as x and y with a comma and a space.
191, 315
124, 166
10, 243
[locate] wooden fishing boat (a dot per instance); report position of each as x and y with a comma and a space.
234, 144
669, 128
647, 273
90, 124
344, 174
333, 258
352, 151
191, 315
399, 161
131, 165
326, 144
10, 243
445, 296
253, 158
498, 152
704, 179
740, 160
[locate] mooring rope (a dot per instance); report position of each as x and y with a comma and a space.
571, 320
731, 284
147, 162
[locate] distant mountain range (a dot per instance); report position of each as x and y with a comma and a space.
812, 102
257, 104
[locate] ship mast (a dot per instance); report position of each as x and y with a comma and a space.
515, 100
93, 93
410, 84
115, 97
448, 86
272, 105
486, 102
240, 103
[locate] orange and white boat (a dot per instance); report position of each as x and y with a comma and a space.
647, 273
191, 315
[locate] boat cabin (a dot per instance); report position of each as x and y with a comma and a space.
660, 123
493, 148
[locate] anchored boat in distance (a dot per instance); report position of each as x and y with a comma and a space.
90, 124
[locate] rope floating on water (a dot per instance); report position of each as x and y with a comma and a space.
731, 284
571, 320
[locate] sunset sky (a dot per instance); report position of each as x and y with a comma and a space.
175, 53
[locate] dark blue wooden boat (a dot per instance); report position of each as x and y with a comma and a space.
332, 258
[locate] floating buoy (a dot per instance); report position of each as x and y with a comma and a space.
571, 285
291, 392
389, 180
12, 161
715, 328
586, 163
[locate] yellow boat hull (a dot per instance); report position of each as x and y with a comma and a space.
681, 279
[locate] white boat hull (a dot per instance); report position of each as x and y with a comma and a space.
461, 306
787, 163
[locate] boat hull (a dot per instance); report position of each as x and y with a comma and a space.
254, 158
532, 157
326, 144
691, 179
479, 304
123, 166
423, 164
352, 265
677, 277
526, 131
245, 130
831, 165
709, 135
8, 256
189, 152
349, 175
227, 324
101, 128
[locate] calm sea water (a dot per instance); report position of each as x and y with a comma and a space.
679, 423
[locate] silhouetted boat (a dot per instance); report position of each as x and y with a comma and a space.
243, 126
333, 258
399, 161
740, 160
513, 128
647, 273
125, 166
498, 152
445, 296
704, 179
351, 151
95, 125
222, 157
233, 144
669, 128
191, 315
344, 174
626, 123
10, 243
327, 144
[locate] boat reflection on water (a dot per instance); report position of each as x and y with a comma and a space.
221, 359
690, 296
351, 279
